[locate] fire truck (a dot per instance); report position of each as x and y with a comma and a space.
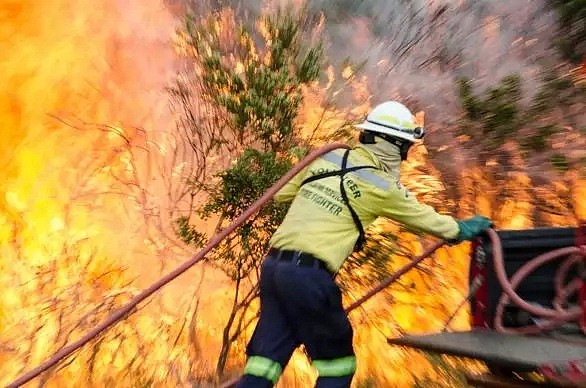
528, 311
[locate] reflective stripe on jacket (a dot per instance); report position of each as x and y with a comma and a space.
318, 221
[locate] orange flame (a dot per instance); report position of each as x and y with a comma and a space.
78, 78
81, 92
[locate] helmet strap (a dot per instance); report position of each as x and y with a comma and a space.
403, 145
366, 137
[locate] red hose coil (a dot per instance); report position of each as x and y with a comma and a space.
558, 315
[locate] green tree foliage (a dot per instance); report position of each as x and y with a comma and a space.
497, 112
251, 80
262, 91
240, 186
498, 115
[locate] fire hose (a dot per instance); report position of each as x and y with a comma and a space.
558, 313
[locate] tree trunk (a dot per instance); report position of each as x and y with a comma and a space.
226, 342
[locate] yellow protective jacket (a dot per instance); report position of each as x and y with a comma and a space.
319, 222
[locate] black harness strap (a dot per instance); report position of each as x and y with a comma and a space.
333, 173
341, 173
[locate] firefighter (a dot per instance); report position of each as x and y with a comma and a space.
332, 201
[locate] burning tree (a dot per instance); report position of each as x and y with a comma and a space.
519, 147
239, 106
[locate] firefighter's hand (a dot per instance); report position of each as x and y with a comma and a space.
472, 227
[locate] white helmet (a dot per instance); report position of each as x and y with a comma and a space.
394, 119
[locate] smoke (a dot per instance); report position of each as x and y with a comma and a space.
415, 50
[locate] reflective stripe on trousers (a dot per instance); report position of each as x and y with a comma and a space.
336, 367
271, 370
263, 367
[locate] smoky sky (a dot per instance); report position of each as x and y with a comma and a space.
416, 49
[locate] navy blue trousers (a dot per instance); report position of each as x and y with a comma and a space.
299, 305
